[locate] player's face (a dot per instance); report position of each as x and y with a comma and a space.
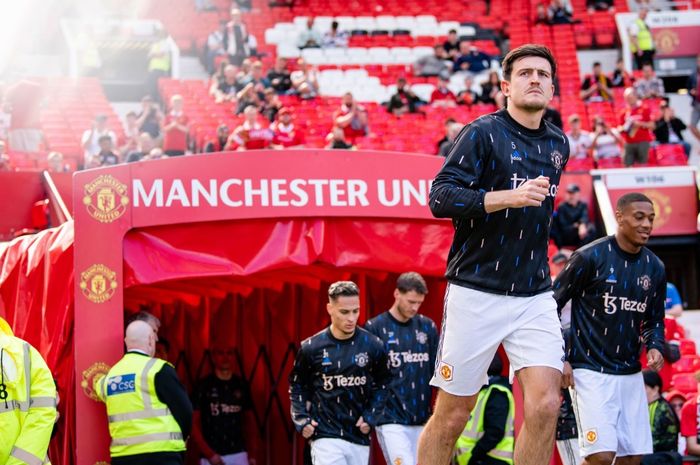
530, 87
408, 303
636, 222
223, 357
344, 312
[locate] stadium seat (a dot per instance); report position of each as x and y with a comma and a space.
685, 382
687, 347
687, 364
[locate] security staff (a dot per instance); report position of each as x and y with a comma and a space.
148, 409
488, 438
641, 40
27, 402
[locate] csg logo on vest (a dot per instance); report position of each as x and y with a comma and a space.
121, 384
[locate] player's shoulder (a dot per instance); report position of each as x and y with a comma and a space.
555, 132
425, 321
366, 337
376, 321
653, 259
488, 122
312, 341
595, 248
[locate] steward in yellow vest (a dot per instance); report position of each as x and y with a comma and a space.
148, 410
27, 402
488, 438
641, 40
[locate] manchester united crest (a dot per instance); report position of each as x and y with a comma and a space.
667, 41
662, 207
105, 198
98, 283
557, 159
91, 373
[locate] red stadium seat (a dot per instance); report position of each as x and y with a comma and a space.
687, 364
687, 347
685, 382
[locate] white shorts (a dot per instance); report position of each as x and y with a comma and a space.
612, 413
399, 443
475, 323
240, 458
332, 451
569, 451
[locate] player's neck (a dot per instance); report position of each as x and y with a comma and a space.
223, 375
341, 335
625, 245
394, 311
526, 119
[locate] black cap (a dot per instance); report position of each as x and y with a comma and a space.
573, 188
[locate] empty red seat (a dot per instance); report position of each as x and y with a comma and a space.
687, 347
687, 364
685, 383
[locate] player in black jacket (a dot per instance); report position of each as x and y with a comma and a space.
337, 386
617, 288
498, 185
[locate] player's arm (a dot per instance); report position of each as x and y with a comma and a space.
571, 280
381, 377
495, 424
653, 324
299, 390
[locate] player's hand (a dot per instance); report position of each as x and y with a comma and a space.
309, 429
567, 378
531, 193
215, 460
655, 360
364, 427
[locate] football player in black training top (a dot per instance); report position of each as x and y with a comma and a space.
617, 289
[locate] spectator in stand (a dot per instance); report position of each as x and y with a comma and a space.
158, 62
309, 37
442, 96
490, 88
23, 101
150, 118
571, 227
156, 153
251, 134
305, 80
352, 118
220, 142
224, 90
665, 425
131, 134
5, 164
677, 399
606, 141
690, 423
471, 59
641, 40
143, 148
560, 12
432, 65
335, 37
404, 100
452, 133
600, 5
244, 74
596, 86
694, 92
256, 77
236, 40
649, 85
286, 133
553, 116
467, 96
448, 123
580, 141
248, 97
451, 45
176, 128
636, 128
271, 105
621, 78
216, 47
674, 304
541, 17
336, 140
91, 139
54, 161
669, 129
279, 78
106, 155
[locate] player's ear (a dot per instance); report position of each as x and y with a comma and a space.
397, 293
329, 307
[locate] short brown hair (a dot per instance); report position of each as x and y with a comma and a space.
411, 281
342, 288
527, 50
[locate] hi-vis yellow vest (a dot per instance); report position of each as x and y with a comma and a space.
139, 422
644, 37
27, 403
475, 430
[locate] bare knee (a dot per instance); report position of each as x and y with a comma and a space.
544, 407
452, 412
600, 458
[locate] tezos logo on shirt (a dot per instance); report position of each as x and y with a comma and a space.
121, 384
516, 181
396, 358
332, 381
611, 304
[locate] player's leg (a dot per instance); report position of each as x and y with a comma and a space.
356, 454
600, 458
328, 451
535, 349
472, 329
629, 460
396, 444
440, 434
634, 426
